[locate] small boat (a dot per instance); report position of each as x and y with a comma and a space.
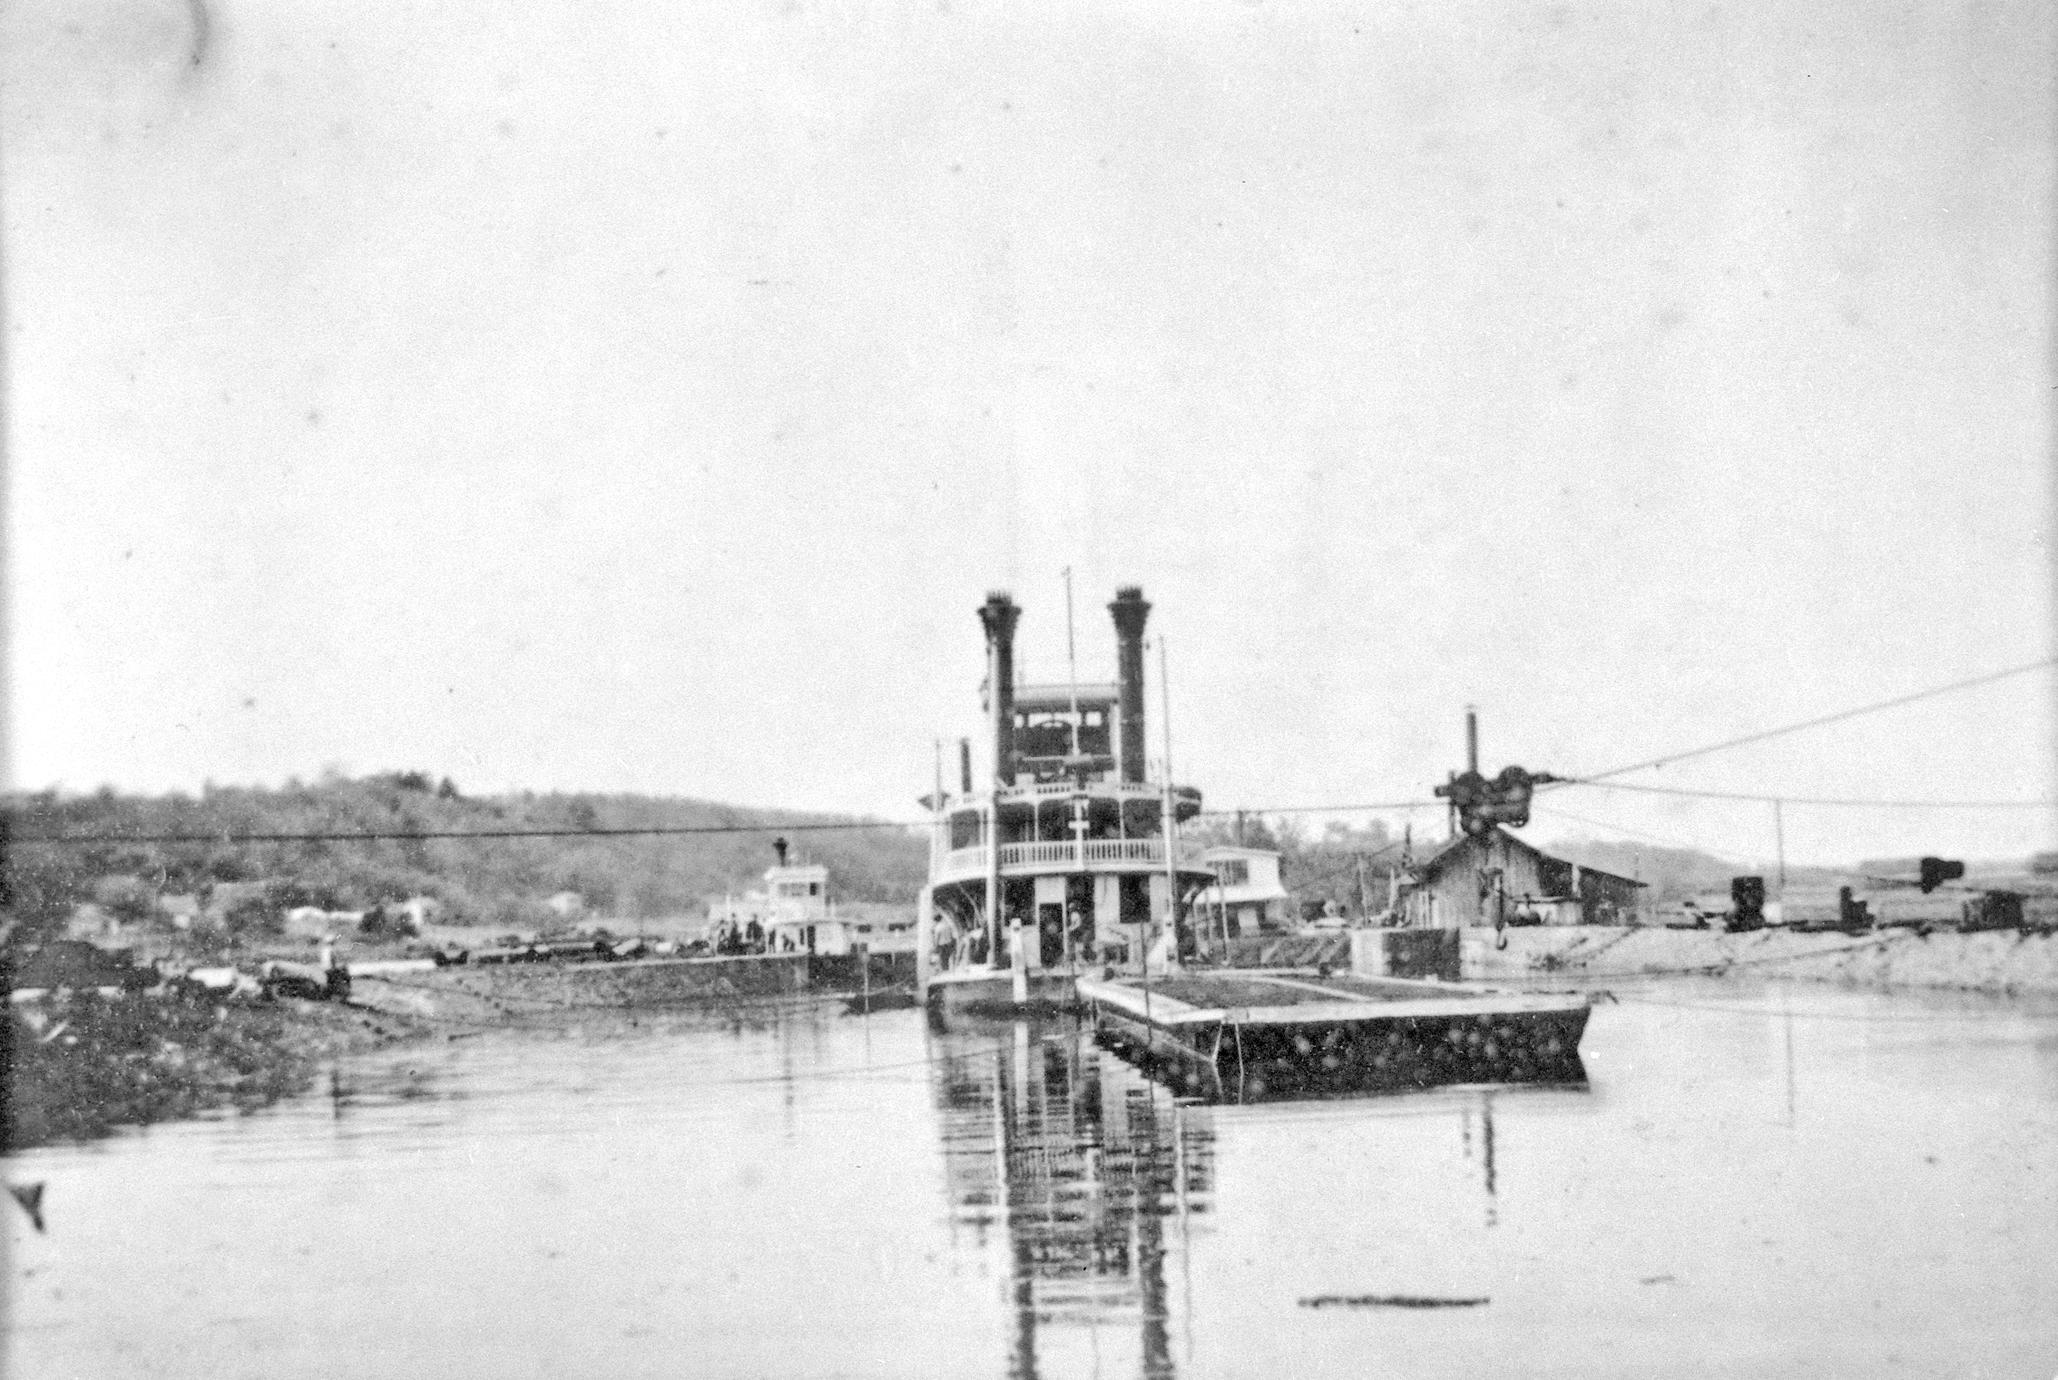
1268, 1033
1070, 858
902, 997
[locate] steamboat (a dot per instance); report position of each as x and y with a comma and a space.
1068, 862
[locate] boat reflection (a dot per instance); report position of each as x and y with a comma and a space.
1090, 1174
1081, 1162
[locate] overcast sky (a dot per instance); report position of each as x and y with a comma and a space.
643, 396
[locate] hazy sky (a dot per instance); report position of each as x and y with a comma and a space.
643, 396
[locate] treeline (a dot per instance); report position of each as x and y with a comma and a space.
498, 881
1328, 865
1319, 867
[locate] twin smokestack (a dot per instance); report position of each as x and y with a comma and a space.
999, 614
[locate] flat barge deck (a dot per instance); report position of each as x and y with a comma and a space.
1280, 1034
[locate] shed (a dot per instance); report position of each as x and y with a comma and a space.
1496, 878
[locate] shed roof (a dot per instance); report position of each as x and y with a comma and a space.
1456, 847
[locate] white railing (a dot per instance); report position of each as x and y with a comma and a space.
1061, 790
1037, 853
963, 862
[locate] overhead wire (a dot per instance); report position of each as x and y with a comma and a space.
1598, 780
414, 835
1819, 721
1774, 798
1663, 840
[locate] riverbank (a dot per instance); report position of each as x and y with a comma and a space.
2000, 962
545, 995
88, 1064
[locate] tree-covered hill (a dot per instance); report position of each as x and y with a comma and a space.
501, 881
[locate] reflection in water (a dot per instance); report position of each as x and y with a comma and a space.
655, 1201
1079, 1160
1485, 1096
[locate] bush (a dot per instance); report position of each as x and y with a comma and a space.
253, 917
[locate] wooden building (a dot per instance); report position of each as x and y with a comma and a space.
1496, 878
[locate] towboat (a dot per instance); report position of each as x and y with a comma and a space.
1068, 861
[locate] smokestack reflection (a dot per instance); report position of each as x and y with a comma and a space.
1079, 1160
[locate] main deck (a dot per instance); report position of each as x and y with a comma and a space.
1272, 1033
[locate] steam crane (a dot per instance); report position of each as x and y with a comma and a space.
1479, 802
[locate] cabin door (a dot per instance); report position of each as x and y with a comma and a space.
1050, 934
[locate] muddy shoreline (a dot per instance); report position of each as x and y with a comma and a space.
87, 1064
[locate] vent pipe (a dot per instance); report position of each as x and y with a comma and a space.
1130, 611
998, 615
779, 847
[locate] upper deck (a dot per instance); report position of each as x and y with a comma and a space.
1061, 826
1087, 855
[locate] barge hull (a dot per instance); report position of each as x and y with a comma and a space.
1325, 1048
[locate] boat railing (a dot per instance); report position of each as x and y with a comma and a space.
960, 862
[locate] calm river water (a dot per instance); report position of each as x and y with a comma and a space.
1753, 1182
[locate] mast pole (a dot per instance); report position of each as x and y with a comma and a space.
1072, 660
1779, 841
1171, 825
993, 937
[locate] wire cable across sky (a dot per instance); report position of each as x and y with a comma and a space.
1597, 780
1670, 758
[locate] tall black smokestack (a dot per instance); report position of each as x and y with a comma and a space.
998, 615
965, 765
1130, 611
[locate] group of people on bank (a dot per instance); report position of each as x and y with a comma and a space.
752, 937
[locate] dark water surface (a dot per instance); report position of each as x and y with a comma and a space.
1767, 1181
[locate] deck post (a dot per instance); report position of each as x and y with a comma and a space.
993, 879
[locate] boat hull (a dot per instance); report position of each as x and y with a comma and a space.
1314, 1048
993, 992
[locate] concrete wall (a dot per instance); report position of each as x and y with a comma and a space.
2003, 961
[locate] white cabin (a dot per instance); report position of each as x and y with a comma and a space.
1247, 895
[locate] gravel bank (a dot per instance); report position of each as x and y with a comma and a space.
1996, 961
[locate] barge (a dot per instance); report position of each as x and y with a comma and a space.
1252, 1034
1070, 858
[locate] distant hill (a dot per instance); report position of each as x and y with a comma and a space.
486, 881
1675, 874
